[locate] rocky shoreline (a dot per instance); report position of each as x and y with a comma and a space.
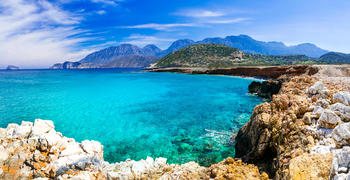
29, 151
248, 71
303, 133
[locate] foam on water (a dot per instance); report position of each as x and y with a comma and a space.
134, 115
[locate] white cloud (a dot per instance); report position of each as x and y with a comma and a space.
228, 21
159, 26
199, 13
101, 12
37, 33
142, 40
109, 2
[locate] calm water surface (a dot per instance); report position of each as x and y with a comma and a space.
134, 115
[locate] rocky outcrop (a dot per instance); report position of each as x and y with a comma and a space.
277, 132
265, 89
303, 133
29, 151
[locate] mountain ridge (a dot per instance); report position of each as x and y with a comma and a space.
152, 53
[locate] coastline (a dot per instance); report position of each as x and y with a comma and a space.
268, 72
296, 151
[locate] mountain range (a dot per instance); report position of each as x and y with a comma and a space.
127, 55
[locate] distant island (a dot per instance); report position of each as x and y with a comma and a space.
127, 55
12, 67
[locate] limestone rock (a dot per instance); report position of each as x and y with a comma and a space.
317, 88
341, 134
310, 166
4, 154
230, 169
41, 127
23, 130
340, 164
328, 119
342, 97
342, 110
93, 148
317, 111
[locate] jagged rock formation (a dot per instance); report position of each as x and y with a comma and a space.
303, 133
265, 89
36, 150
276, 132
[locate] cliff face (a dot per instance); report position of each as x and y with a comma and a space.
276, 132
303, 133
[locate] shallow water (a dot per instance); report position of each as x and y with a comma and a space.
134, 115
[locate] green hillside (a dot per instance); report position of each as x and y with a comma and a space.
221, 56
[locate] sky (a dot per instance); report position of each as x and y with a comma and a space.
39, 33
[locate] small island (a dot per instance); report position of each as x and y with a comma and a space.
12, 67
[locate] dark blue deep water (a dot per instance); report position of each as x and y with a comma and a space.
134, 115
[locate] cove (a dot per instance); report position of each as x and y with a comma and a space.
134, 114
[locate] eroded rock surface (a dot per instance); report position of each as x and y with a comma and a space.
276, 132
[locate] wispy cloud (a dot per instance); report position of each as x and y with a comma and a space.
228, 21
168, 27
199, 13
101, 12
108, 2
37, 33
159, 26
142, 40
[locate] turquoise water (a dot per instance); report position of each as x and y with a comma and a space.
134, 115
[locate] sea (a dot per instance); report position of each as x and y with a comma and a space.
134, 114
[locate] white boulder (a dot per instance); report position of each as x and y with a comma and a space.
341, 134
316, 88
4, 154
72, 148
328, 119
342, 110
342, 97
23, 130
41, 127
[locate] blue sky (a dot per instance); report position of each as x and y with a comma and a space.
38, 33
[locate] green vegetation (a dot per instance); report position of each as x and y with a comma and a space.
334, 58
220, 56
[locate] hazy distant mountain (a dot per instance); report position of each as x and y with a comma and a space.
177, 45
151, 50
105, 56
334, 58
250, 45
132, 61
109, 57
